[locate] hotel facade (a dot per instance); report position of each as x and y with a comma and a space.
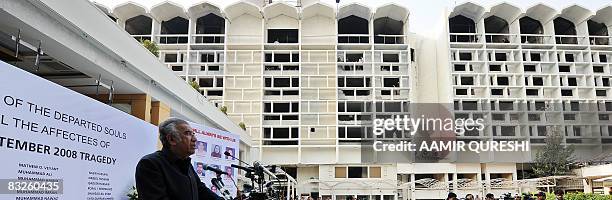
307, 79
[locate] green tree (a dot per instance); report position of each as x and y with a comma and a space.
555, 158
151, 46
242, 125
223, 109
195, 85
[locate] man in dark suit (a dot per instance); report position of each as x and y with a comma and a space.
168, 174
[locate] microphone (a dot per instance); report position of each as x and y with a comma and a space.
217, 171
228, 154
246, 169
256, 164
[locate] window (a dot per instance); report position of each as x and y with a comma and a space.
177, 68
495, 68
461, 92
503, 81
390, 58
572, 82
354, 57
500, 57
497, 92
282, 35
459, 67
391, 82
531, 92
213, 68
467, 81
529, 68
598, 69
357, 172
375, 172
538, 81
340, 172
206, 82
564, 68
600, 93
569, 57
535, 57
465, 56
603, 58
170, 58
219, 82
566, 92
207, 57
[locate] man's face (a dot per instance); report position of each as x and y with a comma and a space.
541, 198
200, 169
187, 145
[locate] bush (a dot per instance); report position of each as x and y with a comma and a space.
151, 46
586, 196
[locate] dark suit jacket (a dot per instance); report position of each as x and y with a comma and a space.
163, 176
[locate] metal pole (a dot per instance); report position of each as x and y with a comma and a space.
17, 41
38, 52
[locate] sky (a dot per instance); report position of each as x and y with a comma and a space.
422, 12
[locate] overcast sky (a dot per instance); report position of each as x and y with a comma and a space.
422, 12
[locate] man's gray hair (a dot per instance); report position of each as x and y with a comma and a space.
168, 127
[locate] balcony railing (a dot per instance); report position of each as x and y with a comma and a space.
172, 39
354, 38
599, 40
389, 39
208, 38
570, 39
319, 39
244, 39
536, 39
500, 38
464, 37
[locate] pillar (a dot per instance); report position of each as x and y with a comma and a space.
140, 103
159, 112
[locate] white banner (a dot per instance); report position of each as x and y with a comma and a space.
48, 132
210, 148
